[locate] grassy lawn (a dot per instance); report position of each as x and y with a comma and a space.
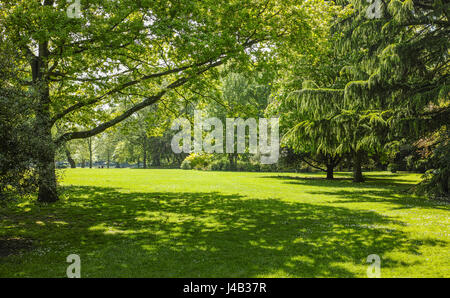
175, 223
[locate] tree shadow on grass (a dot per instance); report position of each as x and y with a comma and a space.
376, 190
390, 196
370, 181
164, 234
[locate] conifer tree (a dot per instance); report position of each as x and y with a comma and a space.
406, 48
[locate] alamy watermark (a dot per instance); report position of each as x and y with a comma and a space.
374, 10
74, 269
374, 269
74, 9
258, 136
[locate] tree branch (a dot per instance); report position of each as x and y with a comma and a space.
314, 166
147, 102
123, 86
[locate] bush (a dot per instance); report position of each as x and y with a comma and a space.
415, 163
220, 165
186, 165
246, 166
269, 168
197, 161
436, 180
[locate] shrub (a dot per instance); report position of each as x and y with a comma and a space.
415, 163
197, 161
436, 180
269, 168
219, 165
186, 165
247, 166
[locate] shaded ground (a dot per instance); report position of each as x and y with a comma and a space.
376, 188
12, 246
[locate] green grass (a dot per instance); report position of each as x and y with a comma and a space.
175, 223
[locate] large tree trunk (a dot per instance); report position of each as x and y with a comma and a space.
330, 171
332, 163
45, 154
357, 170
47, 177
45, 158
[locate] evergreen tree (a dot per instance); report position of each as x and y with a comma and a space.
406, 58
330, 116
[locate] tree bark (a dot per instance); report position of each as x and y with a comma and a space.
330, 171
70, 159
45, 159
47, 176
332, 163
357, 170
46, 151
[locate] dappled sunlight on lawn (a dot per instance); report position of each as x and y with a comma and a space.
120, 232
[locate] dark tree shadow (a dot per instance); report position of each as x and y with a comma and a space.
164, 234
392, 191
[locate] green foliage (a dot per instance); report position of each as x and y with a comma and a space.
381, 79
393, 167
106, 58
221, 164
196, 161
247, 166
186, 165
18, 137
405, 66
436, 182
